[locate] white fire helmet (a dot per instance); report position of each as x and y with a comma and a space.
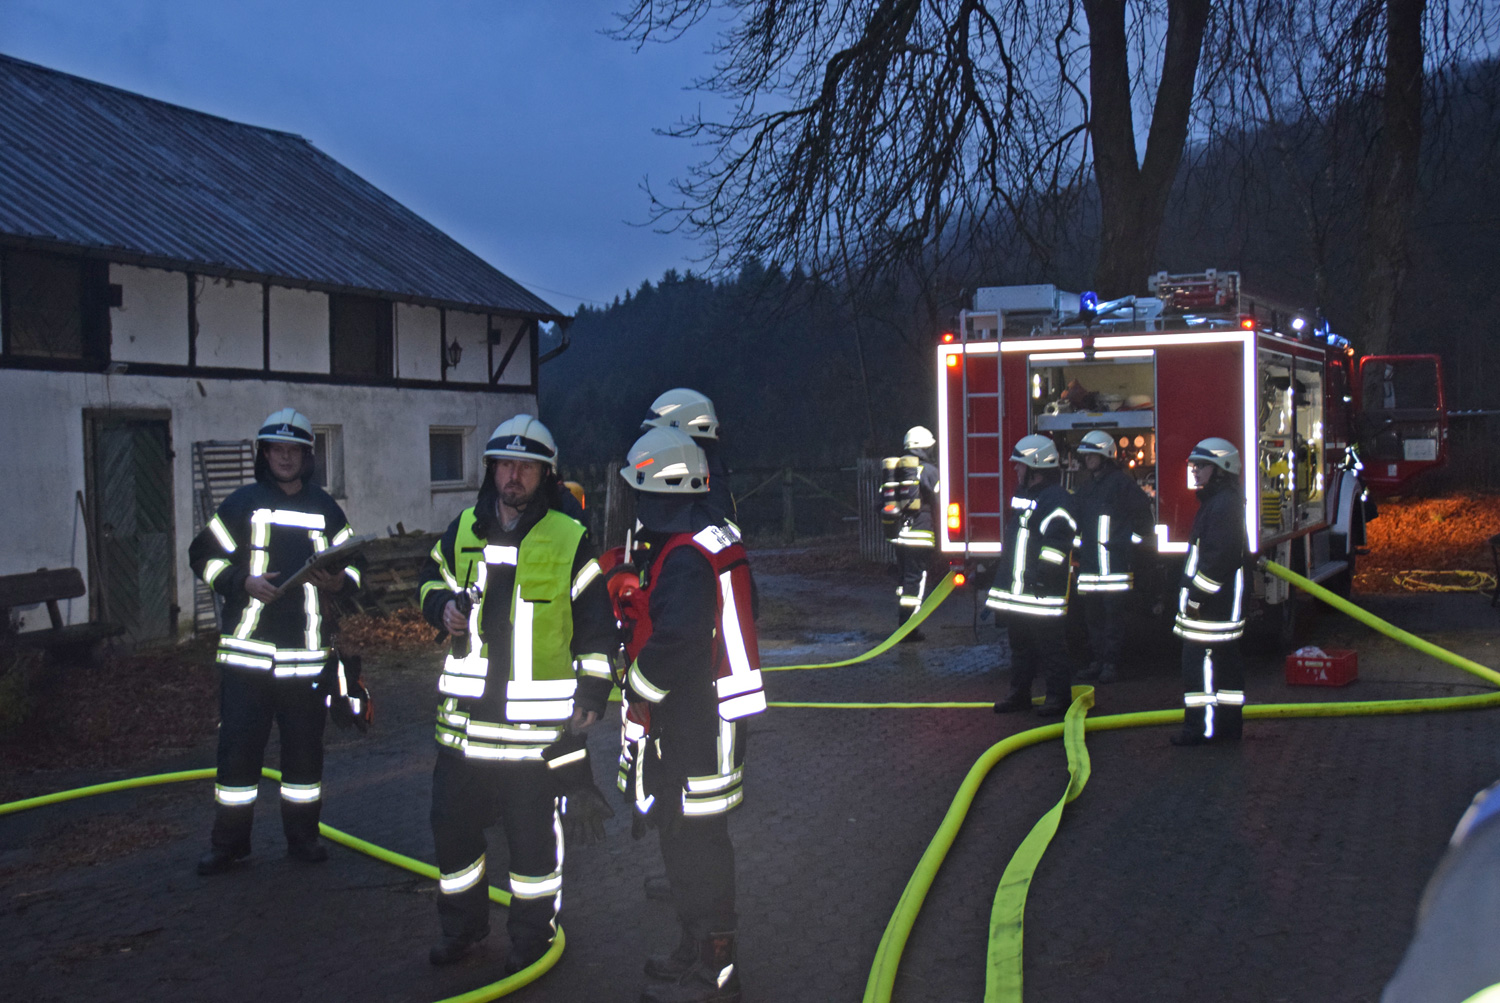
666, 461
685, 409
918, 437
1220, 452
1097, 443
522, 438
1036, 451
286, 425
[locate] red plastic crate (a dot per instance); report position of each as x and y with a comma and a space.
1340, 667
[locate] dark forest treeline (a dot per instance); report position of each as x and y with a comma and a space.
804, 374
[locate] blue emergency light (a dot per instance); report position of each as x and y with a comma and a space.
1088, 303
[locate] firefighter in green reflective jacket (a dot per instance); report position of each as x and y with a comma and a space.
515, 584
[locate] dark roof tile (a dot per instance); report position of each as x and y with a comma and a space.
87, 164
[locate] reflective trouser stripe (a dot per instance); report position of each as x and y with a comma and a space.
462, 879
528, 886
233, 796
523, 887
301, 793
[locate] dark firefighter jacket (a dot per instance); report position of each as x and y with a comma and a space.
1114, 515
1036, 559
259, 530
1211, 596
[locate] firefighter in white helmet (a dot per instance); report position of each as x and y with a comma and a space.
908, 496
1114, 517
274, 649
514, 585
1211, 599
694, 413
1030, 591
694, 677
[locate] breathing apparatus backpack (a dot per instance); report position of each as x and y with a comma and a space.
900, 492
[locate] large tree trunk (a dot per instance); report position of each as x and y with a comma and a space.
1393, 180
1133, 194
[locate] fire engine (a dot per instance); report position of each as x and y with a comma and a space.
1317, 429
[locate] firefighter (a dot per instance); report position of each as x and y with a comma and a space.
275, 651
912, 487
514, 583
1030, 591
1114, 517
694, 677
1210, 600
694, 414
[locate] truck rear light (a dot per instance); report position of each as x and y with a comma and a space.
1247, 323
952, 360
947, 337
955, 517
959, 578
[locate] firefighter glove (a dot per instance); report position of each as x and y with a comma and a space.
344, 693
584, 816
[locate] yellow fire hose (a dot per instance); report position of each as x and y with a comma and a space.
1003, 960
1003, 973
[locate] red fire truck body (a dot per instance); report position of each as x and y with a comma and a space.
1199, 358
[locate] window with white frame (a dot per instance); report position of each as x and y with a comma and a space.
328, 458
447, 450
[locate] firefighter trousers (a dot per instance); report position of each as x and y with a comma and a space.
915, 566
468, 796
700, 866
1213, 684
249, 701
1039, 646
1105, 614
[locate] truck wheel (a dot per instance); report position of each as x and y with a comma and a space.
1342, 584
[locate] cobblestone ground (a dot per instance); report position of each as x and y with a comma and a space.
1285, 868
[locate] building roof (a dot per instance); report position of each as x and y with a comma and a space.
86, 164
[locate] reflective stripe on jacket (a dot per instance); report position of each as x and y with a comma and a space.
261, 530
516, 712
1114, 515
1211, 595
736, 668
1036, 561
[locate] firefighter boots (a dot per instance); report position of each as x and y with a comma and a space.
218, 860
1014, 702
1052, 708
522, 956
309, 851
713, 976
450, 949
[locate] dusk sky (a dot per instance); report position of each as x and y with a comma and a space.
514, 125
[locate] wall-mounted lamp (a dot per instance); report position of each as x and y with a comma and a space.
455, 352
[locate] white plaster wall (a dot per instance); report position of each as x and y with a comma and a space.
470, 330
385, 461
151, 325
299, 331
230, 324
418, 342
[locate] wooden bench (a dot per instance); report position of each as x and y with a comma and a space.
48, 586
